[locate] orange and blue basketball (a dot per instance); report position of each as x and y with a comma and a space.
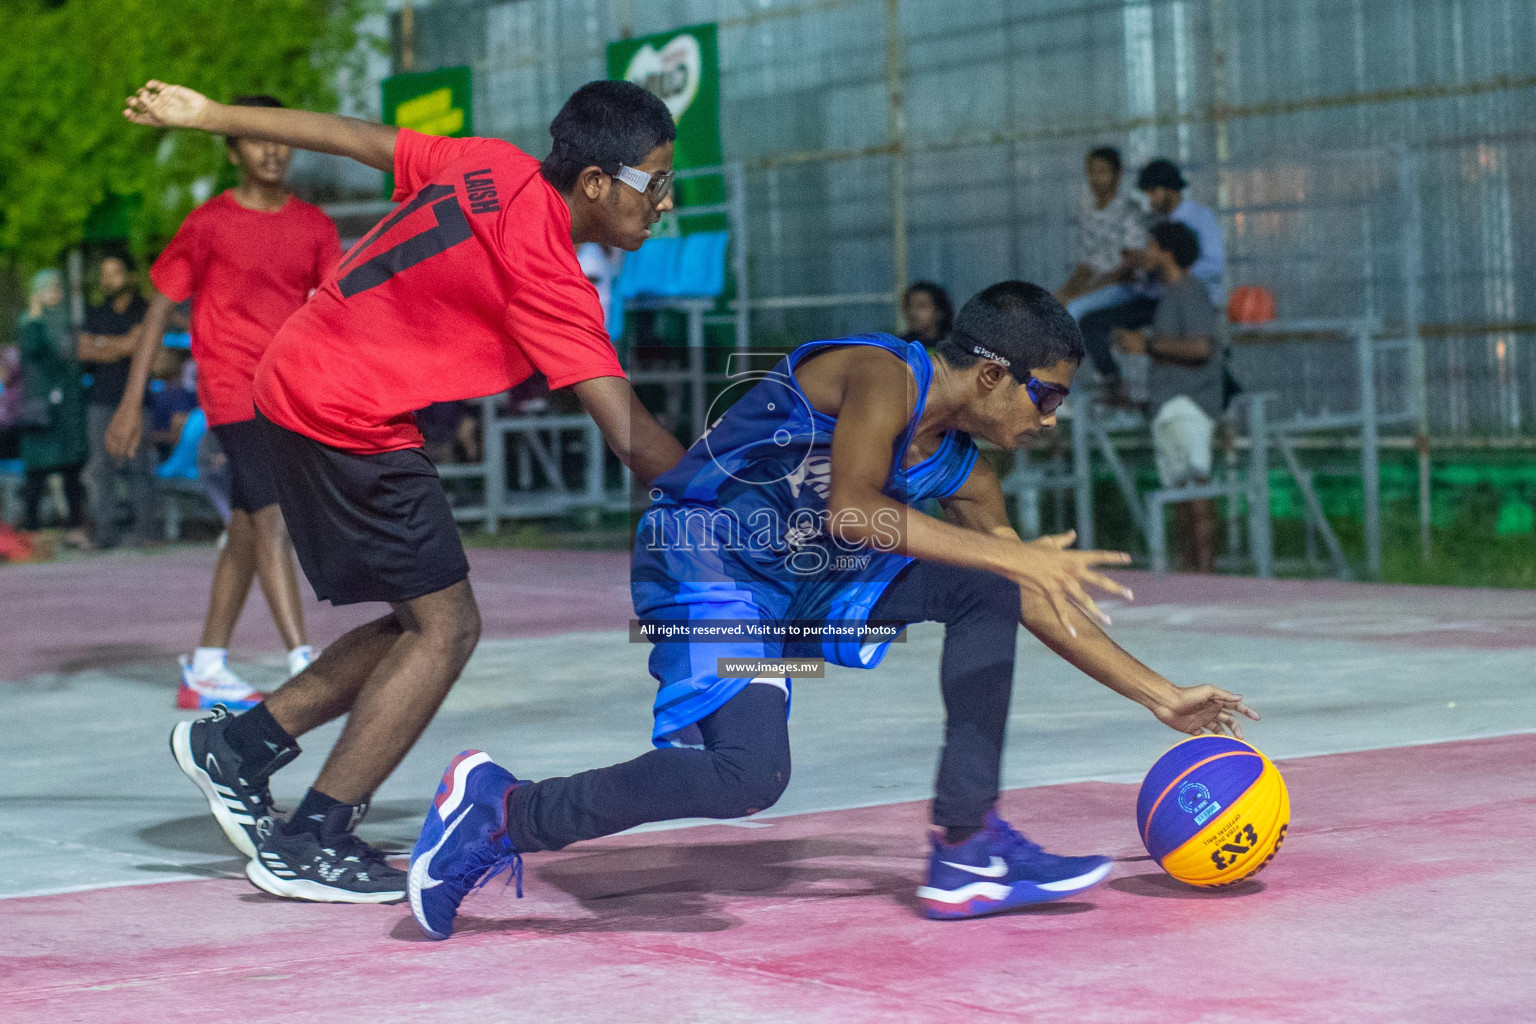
1213, 811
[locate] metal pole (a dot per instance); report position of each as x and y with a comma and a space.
1157, 534
897, 126
1123, 478
494, 455
74, 272
1219, 93
1234, 526
407, 37
1260, 538
696, 382
1413, 297
1082, 471
595, 468
736, 181
1316, 523
1370, 456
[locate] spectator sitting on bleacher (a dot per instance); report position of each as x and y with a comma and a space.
928, 313
1163, 184
450, 432
172, 397
1111, 231
1184, 386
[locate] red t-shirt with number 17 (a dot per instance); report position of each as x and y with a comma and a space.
466, 288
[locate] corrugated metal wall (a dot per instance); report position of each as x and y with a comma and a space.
1345, 142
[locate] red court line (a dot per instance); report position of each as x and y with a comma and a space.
1402, 895
117, 610
113, 611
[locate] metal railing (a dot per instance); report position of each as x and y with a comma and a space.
1273, 418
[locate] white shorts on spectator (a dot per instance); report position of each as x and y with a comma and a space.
1181, 438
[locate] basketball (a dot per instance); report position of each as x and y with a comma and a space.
1213, 811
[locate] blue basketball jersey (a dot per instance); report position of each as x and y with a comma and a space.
739, 530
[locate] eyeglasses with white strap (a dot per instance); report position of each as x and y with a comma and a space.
655, 187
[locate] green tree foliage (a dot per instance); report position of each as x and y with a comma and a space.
69, 65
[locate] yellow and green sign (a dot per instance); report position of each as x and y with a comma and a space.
437, 102
683, 68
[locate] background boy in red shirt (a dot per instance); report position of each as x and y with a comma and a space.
248, 258
463, 290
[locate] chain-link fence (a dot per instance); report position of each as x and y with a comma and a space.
1367, 156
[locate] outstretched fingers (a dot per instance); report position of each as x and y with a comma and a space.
1082, 600
1063, 609
157, 104
138, 107
1234, 702
1104, 583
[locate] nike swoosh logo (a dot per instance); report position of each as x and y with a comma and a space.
996, 869
427, 881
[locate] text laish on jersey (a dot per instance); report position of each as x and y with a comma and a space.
482, 192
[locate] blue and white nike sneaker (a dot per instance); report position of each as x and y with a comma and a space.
463, 842
998, 869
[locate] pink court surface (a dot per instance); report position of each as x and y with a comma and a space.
1404, 721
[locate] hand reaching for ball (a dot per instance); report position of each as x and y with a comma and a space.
1205, 709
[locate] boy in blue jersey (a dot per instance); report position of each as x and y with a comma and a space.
797, 507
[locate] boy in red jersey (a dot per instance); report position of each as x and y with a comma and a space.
464, 289
247, 258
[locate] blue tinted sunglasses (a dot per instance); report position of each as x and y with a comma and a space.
1046, 396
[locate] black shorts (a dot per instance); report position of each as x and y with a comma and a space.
365, 527
251, 487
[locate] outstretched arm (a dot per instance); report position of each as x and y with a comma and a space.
1189, 709
175, 106
641, 443
978, 505
875, 407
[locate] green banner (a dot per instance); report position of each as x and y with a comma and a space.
683, 68
437, 102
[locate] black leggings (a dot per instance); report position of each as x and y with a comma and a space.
1099, 327
745, 765
32, 496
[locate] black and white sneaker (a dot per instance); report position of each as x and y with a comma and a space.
336, 868
237, 802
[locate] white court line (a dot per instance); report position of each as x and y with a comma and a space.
763, 820
124, 883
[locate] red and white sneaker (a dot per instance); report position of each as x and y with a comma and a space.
220, 686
